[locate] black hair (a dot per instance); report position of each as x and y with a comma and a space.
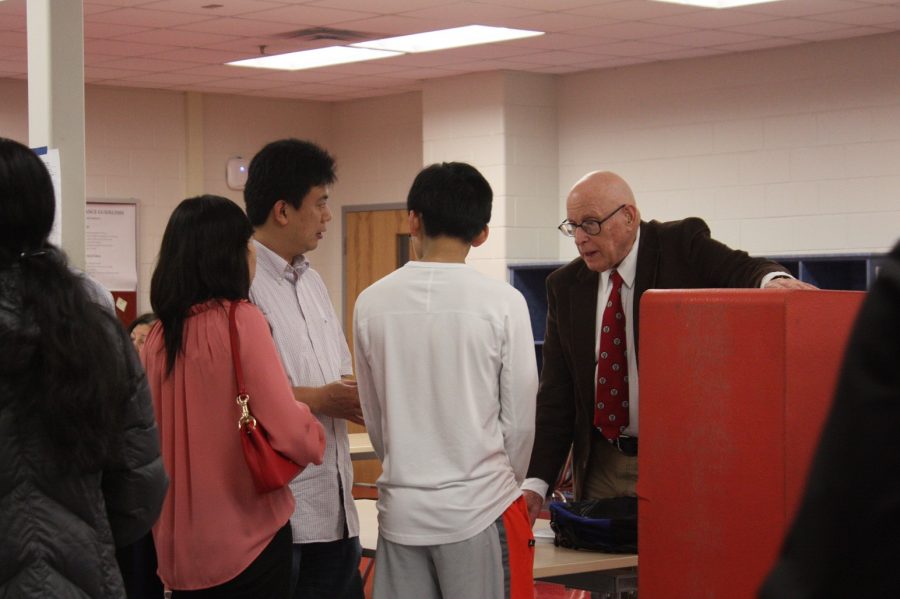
60, 352
451, 198
203, 256
285, 170
145, 318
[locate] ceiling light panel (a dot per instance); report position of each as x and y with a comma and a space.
717, 3
311, 59
444, 39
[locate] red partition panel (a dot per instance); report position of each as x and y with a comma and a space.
734, 387
126, 306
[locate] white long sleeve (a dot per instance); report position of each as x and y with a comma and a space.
447, 380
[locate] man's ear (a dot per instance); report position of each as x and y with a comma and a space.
278, 213
415, 223
481, 237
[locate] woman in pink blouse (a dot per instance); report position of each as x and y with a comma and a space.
217, 536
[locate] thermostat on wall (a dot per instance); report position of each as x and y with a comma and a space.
236, 172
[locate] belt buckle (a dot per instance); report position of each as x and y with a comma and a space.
631, 450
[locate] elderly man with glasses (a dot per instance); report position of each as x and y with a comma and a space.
588, 397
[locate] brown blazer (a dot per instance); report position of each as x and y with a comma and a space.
671, 255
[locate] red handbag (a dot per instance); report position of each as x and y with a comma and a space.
270, 469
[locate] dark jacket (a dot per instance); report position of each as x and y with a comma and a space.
671, 255
845, 538
59, 526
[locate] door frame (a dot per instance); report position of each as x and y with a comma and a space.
344, 211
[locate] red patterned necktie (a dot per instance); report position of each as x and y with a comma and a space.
611, 408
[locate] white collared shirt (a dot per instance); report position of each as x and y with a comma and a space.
314, 352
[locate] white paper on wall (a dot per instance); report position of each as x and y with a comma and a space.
109, 237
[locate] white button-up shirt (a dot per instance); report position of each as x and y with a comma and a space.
314, 352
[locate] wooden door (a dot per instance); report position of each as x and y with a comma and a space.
376, 242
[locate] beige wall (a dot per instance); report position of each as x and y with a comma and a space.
789, 150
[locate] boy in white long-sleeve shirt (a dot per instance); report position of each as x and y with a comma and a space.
447, 381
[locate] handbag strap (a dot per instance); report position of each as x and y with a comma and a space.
243, 398
236, 348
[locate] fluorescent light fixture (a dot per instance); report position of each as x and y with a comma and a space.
717, 3
444, 39
311, 59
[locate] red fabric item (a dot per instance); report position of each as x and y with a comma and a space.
611, 406
270, 470
520, 545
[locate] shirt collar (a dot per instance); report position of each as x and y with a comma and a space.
628, 267
277, 267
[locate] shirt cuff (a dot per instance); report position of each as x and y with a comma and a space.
536, 485
774, 275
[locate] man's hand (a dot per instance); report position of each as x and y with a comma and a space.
534, 502
339, 399
788, 283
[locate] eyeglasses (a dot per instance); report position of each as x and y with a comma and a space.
591, 226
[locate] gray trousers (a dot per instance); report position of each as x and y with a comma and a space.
470, 569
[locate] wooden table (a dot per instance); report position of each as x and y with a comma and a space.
361, 447
549, 560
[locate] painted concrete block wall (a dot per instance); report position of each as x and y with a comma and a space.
532, 168
789, 150
242, 125
135, 146
378, 146
14, 110
463, 120
504, 124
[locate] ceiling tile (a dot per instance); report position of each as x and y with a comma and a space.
467, 13
769, 42
229, 8
786, 27
393, 25
864, 16
92, 29
138, 63
121, 47
148, 18
803, 8
630, 48
304, 16
199, 55
555, 22
179, 45
239, 26
834, 34
712, 19
633, 10
175, 37
384, 7
708, 37
630, 30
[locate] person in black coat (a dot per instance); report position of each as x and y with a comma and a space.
80, 466
845, 538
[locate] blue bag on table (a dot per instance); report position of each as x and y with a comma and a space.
607, 525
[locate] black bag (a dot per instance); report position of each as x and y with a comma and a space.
607, 525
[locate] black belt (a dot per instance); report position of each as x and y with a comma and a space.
625, 444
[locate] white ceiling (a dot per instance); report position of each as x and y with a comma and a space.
182, 44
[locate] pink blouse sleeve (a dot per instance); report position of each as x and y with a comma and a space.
292, 428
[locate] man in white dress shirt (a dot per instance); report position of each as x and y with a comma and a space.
287, 202
447, 379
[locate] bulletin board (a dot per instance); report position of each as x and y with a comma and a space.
111, 249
